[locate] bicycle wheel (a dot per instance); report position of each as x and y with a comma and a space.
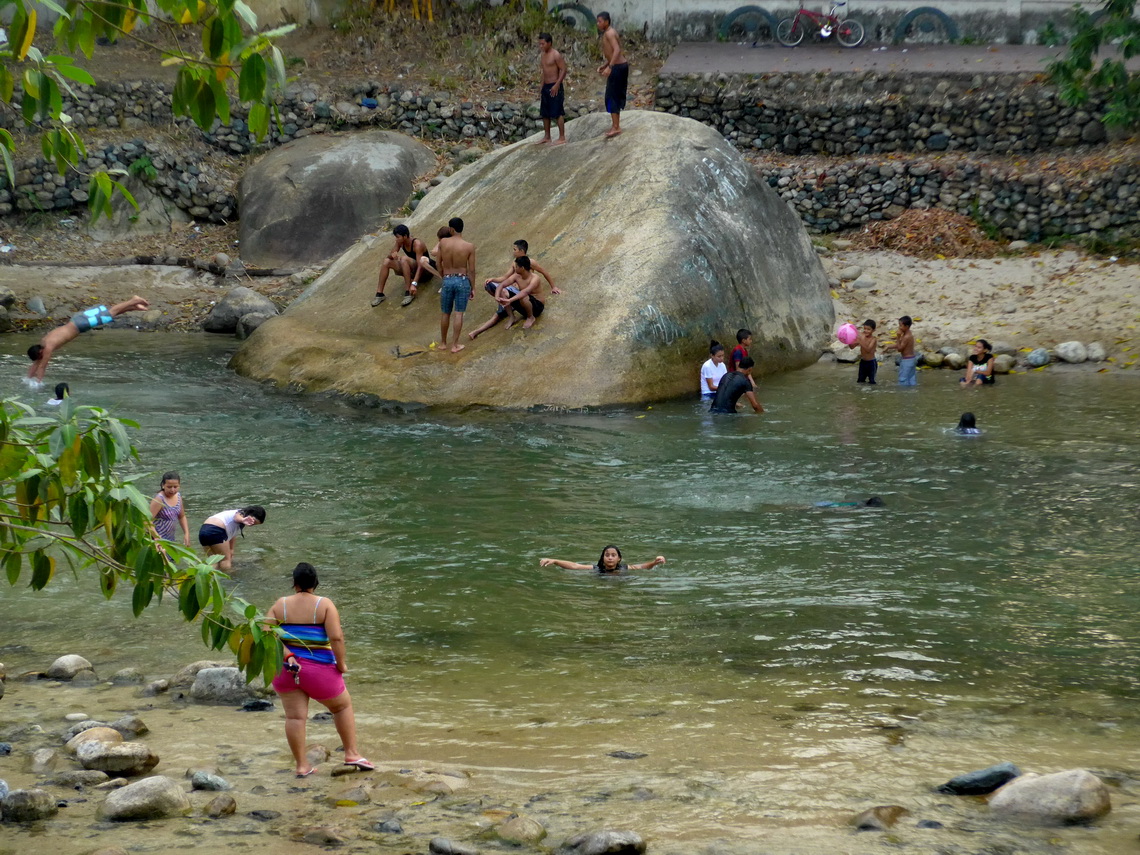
789, 33
849, 33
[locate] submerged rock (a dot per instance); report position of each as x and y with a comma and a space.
128, 758
208, 781
981, 781
604, 842
879, 818
28, 806
151, 798
666, 240
106, 735
221, 805
1063, 798
520, 830
443, 846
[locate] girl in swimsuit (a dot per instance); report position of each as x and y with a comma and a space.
314, 667
609, 563
167, 509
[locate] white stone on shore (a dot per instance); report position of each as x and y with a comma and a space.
1073, 352
955, 361
76, 716
1003, 363
1096, 352
127, 758
220, 686
103, 735
850, 273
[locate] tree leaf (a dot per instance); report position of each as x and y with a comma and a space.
79, 75
251, 82
43, 569
141, 597
12, 563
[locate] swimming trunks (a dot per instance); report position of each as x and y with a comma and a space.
868, 368
616, 85
552, 106
167, 516
455, 293
92, 319
908, 375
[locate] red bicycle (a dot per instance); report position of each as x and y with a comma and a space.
848, 32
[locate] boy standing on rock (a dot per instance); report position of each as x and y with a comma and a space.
616, 72
553, 92
457, 264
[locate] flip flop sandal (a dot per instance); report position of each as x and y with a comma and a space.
306, 774
360, 763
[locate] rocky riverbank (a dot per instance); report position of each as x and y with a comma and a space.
106, 763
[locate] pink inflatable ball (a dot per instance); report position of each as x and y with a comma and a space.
847, 334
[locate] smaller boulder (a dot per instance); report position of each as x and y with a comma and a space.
932, 359
850, 273
79, 778
220, 686
248, 323
81, 726
44, 761
322, 835
520, 831
1018, 245
1038, 357
1072, 352
1063, 798
240, 301
981, 781
954, 360
130, 726
443, 846
128, 677
151, 798
1096, 351
66, 667
28, 806
202, 780
7, 298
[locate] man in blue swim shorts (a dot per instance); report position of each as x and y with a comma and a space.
457, 264
81, 322
552, 97
616, 72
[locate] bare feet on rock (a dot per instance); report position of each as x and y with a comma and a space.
543, 142
615, 132
559, 142
528, 323
458, 348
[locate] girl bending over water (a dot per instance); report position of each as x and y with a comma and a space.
609, 563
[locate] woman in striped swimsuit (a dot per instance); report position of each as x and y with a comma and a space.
314, 668
167, 514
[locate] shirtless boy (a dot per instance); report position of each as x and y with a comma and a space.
457, 264
552, 105
616, 72
868, 344
904, 346
81, 322
520, 292
403, 258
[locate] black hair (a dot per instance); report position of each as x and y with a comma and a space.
255, 511
545, 37
35, 352
967, 421
168, 476
62, 390
305, 576
715, 347
905, 320
520, 243
401, 231
874, 502
746, 363
602, 557
742, 334
605, 16
456, 225
985, 344
870, 323
523, 261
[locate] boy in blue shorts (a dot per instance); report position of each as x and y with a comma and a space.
81, 322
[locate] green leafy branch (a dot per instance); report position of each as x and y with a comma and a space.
61, 500
1084, 70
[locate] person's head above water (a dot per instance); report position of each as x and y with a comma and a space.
875, 502
305, 577
967, 421
610, 559
62, 390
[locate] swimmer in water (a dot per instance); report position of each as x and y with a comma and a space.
967, 425
609, 563
873, 502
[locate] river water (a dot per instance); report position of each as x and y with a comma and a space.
787, 667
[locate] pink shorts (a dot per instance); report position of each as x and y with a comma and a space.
319, 681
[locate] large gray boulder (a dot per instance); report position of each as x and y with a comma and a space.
662, 239
150, 798
238, 302
312, 198
1063, 798
66, 667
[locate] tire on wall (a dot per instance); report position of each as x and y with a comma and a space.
753, 22
927, 25
575, 14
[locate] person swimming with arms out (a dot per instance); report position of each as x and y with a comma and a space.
609, 563
873, 502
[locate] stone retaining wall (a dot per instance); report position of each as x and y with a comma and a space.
872, 112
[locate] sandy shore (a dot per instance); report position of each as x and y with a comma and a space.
1026, 300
